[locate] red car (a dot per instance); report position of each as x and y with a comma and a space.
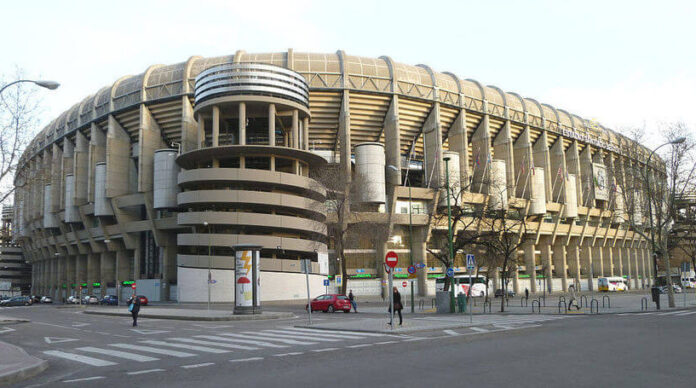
143, 300
330, 303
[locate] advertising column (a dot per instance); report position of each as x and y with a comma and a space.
247, 280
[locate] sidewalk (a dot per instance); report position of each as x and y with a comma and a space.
188, 314
17, 365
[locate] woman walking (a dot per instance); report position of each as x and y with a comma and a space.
134, 308
397, 305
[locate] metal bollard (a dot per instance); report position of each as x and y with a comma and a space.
644, 304
583, 301
594, 303
606, 297
487, 303
565, 306
561, 298
538, 304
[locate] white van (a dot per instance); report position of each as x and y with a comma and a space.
462, 285
612, 284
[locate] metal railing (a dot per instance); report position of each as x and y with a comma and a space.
538, 305
594, 306
607, 299
583, 301
565, 306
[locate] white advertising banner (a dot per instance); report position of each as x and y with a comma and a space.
601, 187
245, 278
323, 258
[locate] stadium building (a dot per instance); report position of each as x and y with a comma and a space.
153, 179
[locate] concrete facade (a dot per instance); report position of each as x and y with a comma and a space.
246, 148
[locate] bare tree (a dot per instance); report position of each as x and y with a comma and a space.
19, 118
659, 192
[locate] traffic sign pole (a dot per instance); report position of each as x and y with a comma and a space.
470, 266
391, 260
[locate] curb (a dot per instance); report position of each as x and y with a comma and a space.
251, 317
24, 372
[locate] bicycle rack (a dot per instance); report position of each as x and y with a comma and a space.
565, 306
643, 302
487, 303
526, 302
561, 299
583, 301
593, 303
606, 297
538, 306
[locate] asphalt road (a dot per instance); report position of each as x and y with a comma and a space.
609, 350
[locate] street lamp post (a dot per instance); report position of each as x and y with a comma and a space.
51, 85
205, 223
449, 229
650, 205
410, 229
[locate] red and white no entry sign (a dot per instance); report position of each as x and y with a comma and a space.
133, 286
391, 259
404, 284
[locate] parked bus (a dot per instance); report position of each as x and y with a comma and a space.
462, 285
612, 284
688, 279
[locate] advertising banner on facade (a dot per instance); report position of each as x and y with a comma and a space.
599, 178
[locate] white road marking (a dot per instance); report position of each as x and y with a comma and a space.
80, 324
247, 359
142, 372
673, 312
300, 336
288, 354
479, 329
451, 332
148, 331
413, 339
150, 349
686, 313
198, 365
118, 353
385, 342
358, 333
317, 335
233, 338
203, 349
324, 350
265, 337
359, 346
6, 330
210, 343
79, 358
84, 379
207, 326
57, 340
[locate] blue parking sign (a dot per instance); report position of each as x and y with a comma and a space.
450, 272
326, 282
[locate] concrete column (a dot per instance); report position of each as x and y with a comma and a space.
546, 259
618, 258
295, 142
530, 263
123, 266
242, 123
420, 255
168, 265
305, 133
271, 124
201, 131
392, 142
70, 273
574, 262
608, 260
559, 263
634, 256
586, 261
215, 140
81, 271
92, 271
643, 281
598, 259
515, 275
106, 269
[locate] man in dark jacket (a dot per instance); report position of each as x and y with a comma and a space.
351, 297
135, 309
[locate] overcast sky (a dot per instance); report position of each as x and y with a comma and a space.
623, 63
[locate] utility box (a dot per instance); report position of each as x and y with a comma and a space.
442, 301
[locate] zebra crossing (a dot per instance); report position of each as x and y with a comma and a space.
678, 313
499, 321
150, 350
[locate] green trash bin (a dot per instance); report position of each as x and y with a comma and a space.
461, 302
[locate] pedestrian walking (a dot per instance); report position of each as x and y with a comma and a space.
573, 298
526, 293
397, 305
134, 308
352, 300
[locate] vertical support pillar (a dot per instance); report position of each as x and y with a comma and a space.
201, 131
92, 271
598, 259
215, 138
392, 143
546, 259
636, 272
643, 277
574, 263
242, 123
559, 263
295, 141
587, 261
619, 259
271, 124
609, 260
305, 134
420, 255
530, 263
106, 269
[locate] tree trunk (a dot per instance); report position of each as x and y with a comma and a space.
668, 276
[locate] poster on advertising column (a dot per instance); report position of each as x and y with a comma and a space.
245, 277
599, 177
